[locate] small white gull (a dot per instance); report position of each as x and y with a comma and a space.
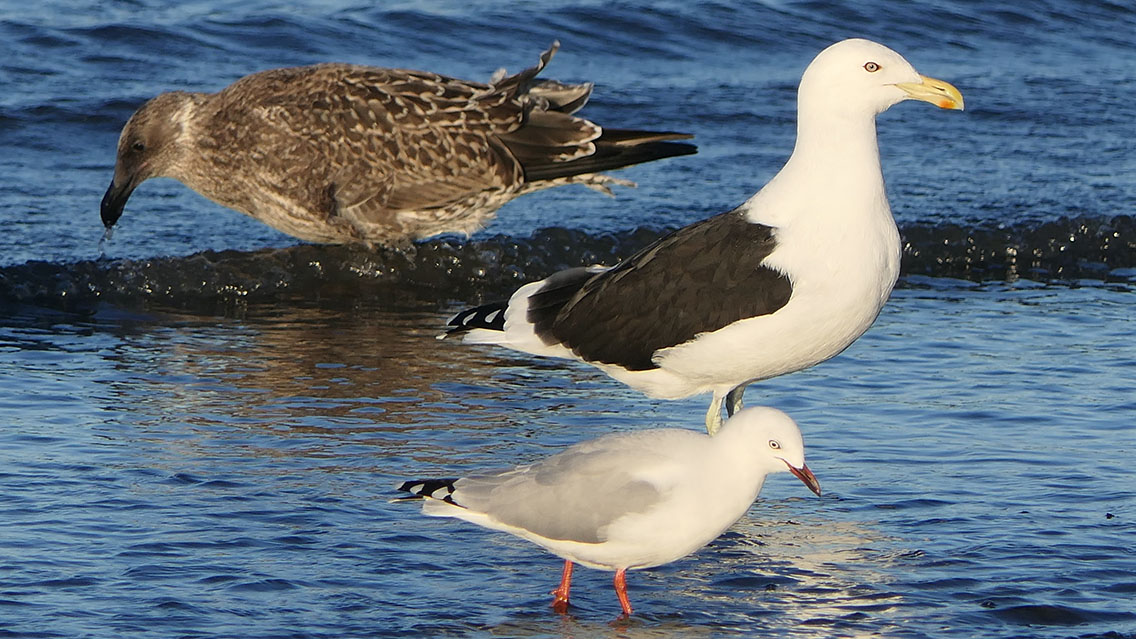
785, 281
340, 154
630, 500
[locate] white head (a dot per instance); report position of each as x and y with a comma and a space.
776, 441
862, 78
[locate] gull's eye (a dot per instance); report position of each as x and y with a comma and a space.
871, 67
138, 146
774, 444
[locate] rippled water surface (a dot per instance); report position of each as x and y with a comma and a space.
232, 476
202, 421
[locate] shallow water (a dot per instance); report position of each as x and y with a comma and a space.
186, 474
203, 425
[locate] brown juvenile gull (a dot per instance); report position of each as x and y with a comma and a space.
340, 153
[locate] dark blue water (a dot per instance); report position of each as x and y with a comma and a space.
201, 425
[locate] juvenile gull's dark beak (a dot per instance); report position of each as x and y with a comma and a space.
113, 203
805, 475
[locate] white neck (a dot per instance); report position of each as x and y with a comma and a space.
830, 213
840, 137
835, 167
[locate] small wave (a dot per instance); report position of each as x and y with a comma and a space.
448, 270
1058, 615
1063, 249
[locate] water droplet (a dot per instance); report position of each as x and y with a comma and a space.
107, 234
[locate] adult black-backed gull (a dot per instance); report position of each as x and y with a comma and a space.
785, 281
628, 500
338, 153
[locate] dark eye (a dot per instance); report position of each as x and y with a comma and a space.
774, 444
871, 67
138, 146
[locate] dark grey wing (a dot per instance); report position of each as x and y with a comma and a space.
698, 279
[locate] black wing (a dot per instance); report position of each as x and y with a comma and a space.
698, 279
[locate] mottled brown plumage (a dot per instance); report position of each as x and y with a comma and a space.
338, 153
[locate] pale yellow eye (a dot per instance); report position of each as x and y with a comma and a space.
871, 67
774, 444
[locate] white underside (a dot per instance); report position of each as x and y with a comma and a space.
637, 541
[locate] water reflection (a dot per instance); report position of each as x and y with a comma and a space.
292, 365
331, 380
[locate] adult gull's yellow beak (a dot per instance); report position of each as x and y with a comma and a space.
942, 94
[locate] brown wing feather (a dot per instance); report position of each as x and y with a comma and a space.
429, 139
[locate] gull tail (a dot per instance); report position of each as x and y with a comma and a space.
614, 149
553, 145
525, 322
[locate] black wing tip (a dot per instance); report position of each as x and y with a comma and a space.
426, 488
487, 316
672, 149
610, 156
644, 146
409, 486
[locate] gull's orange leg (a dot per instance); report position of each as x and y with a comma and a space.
620, 582
560, 595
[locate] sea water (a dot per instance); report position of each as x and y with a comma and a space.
202, 420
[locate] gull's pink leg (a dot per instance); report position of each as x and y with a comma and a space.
621, 591
560, 595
